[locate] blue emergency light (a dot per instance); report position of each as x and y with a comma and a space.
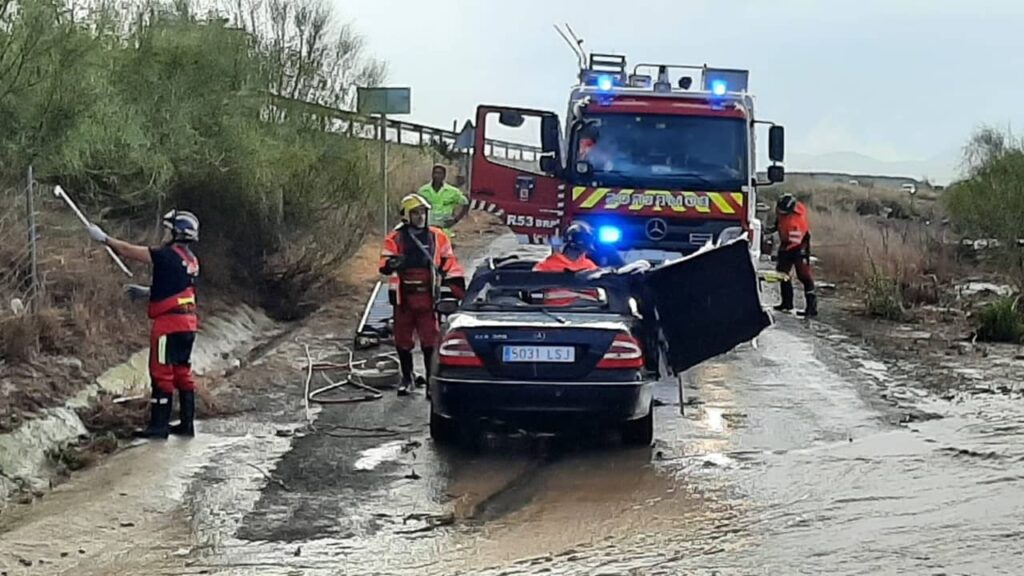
605, 82
609, 234
720, 81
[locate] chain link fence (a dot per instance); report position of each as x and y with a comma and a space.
20, 284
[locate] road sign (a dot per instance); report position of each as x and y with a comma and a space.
465, 139
383, 100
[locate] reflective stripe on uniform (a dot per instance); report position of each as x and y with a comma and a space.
161, 350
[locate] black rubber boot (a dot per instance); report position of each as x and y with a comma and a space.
787, 297
187, 412
812, 305
159, 417
405, 361
428, 361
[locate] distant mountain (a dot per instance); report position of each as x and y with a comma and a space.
940, 169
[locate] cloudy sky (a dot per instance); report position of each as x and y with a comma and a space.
901, 81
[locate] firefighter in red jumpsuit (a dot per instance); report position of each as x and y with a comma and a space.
795, 252
172, 307
419, 260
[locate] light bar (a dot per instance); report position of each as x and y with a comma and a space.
603, 81
719, 81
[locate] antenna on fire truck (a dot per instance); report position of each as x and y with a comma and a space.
575, 44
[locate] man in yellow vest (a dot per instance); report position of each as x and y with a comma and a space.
448, 204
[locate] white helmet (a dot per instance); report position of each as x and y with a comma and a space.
184, 226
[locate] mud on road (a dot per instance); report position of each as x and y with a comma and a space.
806, 455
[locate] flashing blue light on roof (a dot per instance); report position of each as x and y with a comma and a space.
718, 88
605, 82
609, 234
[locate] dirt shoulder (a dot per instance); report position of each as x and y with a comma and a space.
935, 347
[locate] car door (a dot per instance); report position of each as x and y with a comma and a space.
523, 188
707, 303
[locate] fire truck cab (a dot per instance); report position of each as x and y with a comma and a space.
659, 168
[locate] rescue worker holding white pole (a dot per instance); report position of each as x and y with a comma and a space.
172, 307
448, 205
419, 259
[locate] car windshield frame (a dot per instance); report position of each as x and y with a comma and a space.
516, 301
614, 291
692, 167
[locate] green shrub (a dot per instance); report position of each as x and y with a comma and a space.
1002, 321
883, 297
139, 106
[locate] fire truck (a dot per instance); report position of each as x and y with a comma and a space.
660, 160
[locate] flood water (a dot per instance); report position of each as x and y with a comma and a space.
787, 463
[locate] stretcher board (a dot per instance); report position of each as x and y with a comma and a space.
376, 321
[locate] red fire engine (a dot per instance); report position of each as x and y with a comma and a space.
658, 167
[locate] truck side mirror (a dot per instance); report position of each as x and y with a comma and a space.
511, 118
776, 174
548, 165
776, 143
550, 135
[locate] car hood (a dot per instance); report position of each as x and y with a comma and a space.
531, 319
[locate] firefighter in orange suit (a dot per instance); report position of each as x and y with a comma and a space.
795, 252
172, 308
574, 255
419, 259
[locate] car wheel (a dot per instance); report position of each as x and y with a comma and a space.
639, 432
443, 431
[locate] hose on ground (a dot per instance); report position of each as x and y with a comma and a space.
356, 372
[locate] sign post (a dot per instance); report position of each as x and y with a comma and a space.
384, 101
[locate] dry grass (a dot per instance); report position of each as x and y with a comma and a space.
894, 263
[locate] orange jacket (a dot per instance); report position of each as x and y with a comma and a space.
441, 251
558, 262
793, 228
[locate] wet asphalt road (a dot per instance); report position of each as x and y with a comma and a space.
788, 462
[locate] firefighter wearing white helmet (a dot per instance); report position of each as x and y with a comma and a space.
418, 259
172, 308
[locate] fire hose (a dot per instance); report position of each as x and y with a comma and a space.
384, 367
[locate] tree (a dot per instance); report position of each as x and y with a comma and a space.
990, 201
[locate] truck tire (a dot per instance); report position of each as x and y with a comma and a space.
639, 432
443, 431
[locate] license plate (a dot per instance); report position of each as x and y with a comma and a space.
563, 354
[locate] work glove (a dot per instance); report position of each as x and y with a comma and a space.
97, 234
136, 292
392, 264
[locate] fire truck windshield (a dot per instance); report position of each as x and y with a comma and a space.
662, 151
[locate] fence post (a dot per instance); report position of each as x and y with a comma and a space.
30, 207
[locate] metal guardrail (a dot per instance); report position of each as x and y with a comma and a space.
407, 133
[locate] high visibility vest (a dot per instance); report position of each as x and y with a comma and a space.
559, 262
793, 228
442, 255
184, 302
443, 202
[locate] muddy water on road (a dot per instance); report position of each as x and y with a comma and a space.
787, 464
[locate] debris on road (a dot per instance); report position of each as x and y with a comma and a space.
269, 478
